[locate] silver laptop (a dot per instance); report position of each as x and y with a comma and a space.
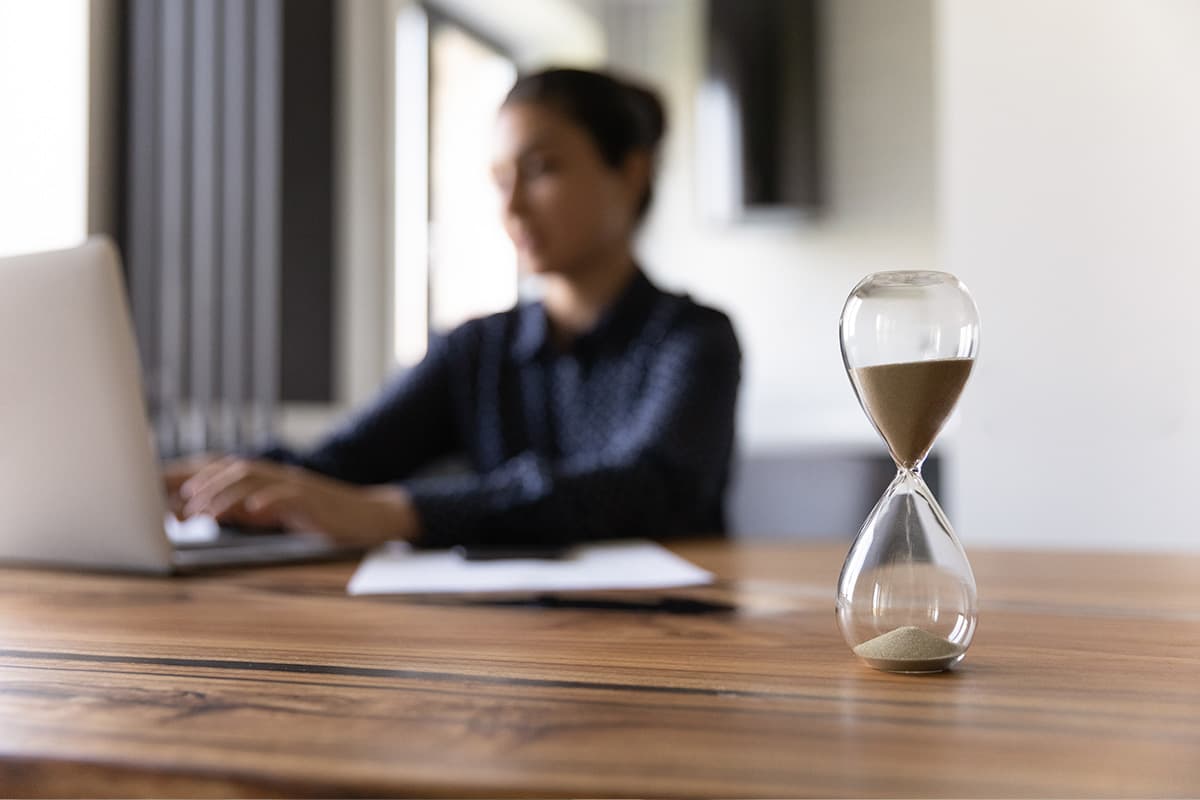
80, 479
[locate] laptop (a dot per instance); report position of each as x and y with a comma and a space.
80, 478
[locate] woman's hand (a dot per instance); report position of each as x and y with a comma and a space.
177, 473
264, 494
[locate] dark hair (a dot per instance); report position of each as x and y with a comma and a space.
619, 116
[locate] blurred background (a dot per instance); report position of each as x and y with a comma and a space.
300, 190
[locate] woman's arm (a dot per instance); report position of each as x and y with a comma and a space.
266, 494
344, 487
409, 424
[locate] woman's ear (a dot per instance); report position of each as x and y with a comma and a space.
635, 175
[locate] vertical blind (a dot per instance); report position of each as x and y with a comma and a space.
202, 215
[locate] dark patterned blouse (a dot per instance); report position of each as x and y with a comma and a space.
629, 432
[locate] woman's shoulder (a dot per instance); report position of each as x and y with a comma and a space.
686, 318
703, 316
475, 331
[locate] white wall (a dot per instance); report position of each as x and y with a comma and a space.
1071, 206
534, 30
784, 282
43, 125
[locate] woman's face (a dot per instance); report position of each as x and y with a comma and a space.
561, 204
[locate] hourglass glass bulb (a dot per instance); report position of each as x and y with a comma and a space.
906, 596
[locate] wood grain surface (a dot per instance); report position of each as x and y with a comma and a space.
1083, 680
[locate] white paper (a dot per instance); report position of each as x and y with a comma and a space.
395, 568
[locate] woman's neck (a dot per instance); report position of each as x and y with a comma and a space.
574, 302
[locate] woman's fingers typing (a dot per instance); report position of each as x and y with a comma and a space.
176, 474
223, 486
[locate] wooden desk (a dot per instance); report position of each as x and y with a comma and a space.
1084, 679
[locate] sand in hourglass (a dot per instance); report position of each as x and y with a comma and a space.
910, 400
909, 649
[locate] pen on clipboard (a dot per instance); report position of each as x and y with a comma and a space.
545, 553
665, 605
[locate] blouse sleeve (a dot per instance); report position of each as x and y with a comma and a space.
408, 425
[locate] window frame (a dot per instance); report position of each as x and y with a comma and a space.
404, 225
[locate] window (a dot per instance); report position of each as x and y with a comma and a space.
44, 134
452, 258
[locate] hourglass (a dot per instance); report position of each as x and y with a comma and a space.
906, 596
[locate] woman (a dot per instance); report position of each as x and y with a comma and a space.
605, 410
